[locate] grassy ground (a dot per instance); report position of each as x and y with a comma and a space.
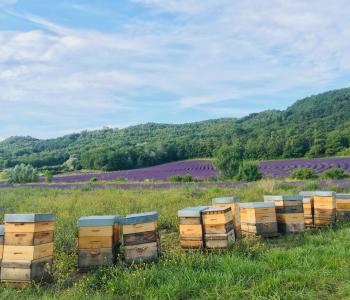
313, 265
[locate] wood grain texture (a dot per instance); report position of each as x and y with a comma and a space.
190, 221
217, 218
191, 244
137, 228
217, 229
96, 231
142, 252
219, 241
291, 227
27, 252
191, 230
88, 258
290, 218
28, 238
140, 238
95, 242
29, 227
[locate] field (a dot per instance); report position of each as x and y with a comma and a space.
313, 265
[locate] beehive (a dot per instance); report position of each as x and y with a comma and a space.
140, 237
28, 247
218, 227
308, 205
324, 208
191, 227
289, 213
98, 240
1, 241
258, 218
233, 203
343, 206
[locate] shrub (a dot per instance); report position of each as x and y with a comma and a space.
303, 174
335, 173
181, 178
48, 176
310, 186
228, 159
249, 171
284, 186
22, 174
3, 176
93, 179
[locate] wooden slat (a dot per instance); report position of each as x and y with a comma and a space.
216, 219
29, 227
286, 218
140, 238
220, 241
190, 230
191, 244
221, 228
137, 228
95, 242
190, 221
27, 252
88, 258
142, 252
28, 238
96, 231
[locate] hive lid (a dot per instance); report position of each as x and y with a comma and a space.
216, 210
225, 200
29, 218
283, 198
256, 204
139, 218
325, 193
343, 196
189, 212
92, 221
2, 227
307, 193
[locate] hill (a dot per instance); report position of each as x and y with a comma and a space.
313, 127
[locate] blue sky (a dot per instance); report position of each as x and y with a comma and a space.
71, 65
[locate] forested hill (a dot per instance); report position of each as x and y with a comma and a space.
315, 126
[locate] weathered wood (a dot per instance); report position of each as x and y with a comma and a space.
137, 228
29, 227
219, 241
1, 251
342, 215
215, 216
28, 238
27, 252
88, 258
116, 233
191, 244
94, 242
217, 229
291, 227
191, 230
140, 238
260, 228
96, 231
141, 252
236, 216
290, 209
290, 218
190, 221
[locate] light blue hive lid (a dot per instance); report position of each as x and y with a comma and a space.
307, 193
343, 196
283, 198
325, 193
191, 212
139, 218
2, 228
94, 221
29, 218
216, 209
256, 204
225, 200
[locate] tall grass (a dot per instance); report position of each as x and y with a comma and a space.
312, 265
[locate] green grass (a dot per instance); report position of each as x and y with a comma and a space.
312, 265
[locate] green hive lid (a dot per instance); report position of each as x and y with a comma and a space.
29, 218
343, 196
139, 218
325, 193
189, 212
307, 193
283, 198
94, 221
2, 230
225, 200
256, 204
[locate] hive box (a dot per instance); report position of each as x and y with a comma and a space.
308, 206
218, 227
258, 218
233, 203
289, 213
324, 208
140, 237
1, 241
98, 238
343, 206
191, 228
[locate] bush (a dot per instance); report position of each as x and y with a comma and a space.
249, 171
181, 178
22, 174
48, 176
228, 159
303, 174
335, 173
3, 176
93, 179
310, 186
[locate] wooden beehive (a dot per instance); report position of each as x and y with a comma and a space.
289, 213
98, 241
1, 241
258, 218
233, 203
28, 247
308, 205
343, 206
218, 227
191, 227
324, 208
140, 237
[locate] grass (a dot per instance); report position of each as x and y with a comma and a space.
312, 265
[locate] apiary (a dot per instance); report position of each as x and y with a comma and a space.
324, 208
289, 213
218, 227
28, 247
259, 218
98, 241
191, 227
140, 237
233, 203
343, 206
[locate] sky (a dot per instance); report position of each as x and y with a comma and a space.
66, 66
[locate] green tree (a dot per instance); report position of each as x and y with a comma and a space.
249, 171
303, 174
228, 159
22, 174
48, 176
335, 173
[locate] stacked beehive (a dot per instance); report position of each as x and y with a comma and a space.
289, 213
343, 206
140, 237
191, 227
98, 240
218, 227
308, 205
233, 203
324, 208
28, 247
258, 218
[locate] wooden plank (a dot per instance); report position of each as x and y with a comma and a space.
191, 244
290, 218
137, 228
95, 242
27, 252
190, 221
1, 251
116, 233
216, 218
190, 230
88, 258
142, 252
220, 241
291, 227
28, 238
29, 227
290, 209
221, 228
140, 238
342, 215
96, 231
260, 228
